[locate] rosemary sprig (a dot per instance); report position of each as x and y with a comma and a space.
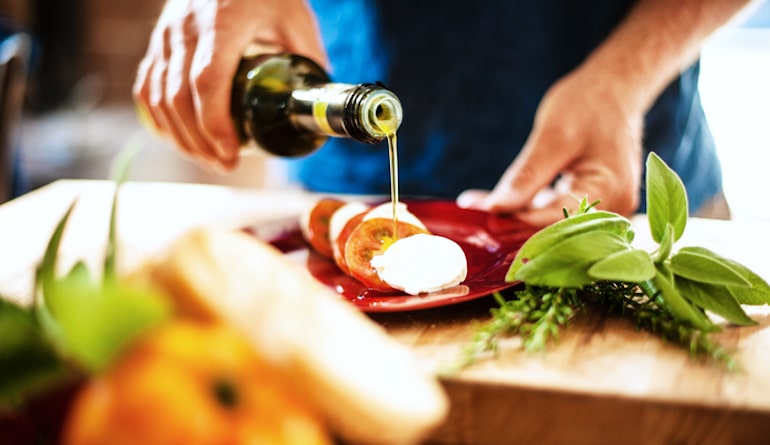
537, 314
626, 299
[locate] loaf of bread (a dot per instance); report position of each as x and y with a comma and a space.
369, 387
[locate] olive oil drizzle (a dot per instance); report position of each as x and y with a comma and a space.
388, 121
393, 154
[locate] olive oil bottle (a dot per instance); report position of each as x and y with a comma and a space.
287, 105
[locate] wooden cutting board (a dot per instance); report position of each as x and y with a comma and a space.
602, 382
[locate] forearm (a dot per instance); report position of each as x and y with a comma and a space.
654, 43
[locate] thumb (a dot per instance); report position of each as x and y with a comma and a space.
303, 36
541, 159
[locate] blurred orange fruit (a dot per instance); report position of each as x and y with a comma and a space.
191, 383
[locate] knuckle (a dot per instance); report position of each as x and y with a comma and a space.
206, 78
177, 97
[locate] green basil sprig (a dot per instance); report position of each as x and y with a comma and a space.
593, 246
589, 258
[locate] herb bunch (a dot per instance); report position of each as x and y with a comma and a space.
587, 262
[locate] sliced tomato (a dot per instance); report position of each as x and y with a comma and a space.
370, 238
317, 230
338, 248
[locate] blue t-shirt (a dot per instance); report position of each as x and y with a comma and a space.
470, 76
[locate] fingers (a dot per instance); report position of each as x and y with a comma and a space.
556, 170
172, 94
184, 83
618, 194
543, 157
156, 91
548, 205
532, 172
163, 93
145, 77
472, 198
211, 73
180, 104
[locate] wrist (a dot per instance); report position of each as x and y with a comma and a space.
616, 85
632, 80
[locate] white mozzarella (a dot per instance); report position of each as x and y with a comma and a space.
385, 210
341, 216
304, 220
422, 263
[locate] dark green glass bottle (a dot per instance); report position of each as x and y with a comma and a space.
287, 105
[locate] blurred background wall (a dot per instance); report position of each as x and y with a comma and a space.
81, 41
79, 109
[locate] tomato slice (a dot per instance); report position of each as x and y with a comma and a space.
338, 248
317, 229
370, 238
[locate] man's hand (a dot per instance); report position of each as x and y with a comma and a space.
184, 82
584, 142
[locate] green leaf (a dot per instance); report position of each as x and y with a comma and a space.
757, 294
749, 295
666, 244
29, 363
665, 294
714, 298
45, 281
585, 206
666, 199
561, 230
90, 321
46, 273
704, 266
120, 170
96, 321
566, 264
629, 266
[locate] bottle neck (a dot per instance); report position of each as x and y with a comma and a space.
366, 112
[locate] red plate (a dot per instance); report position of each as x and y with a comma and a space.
490, 243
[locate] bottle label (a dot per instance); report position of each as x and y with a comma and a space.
327, 104
320, 109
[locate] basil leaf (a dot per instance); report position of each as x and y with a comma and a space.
666, 244
46, 271
566, 264
584, 206
561, 230
702, 265
29, 363
45, 280
95, 321
629, 266
89, 321
749, 295
714, 298
757, 294
666, 199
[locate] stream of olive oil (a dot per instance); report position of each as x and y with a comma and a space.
386, 119
393, 154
